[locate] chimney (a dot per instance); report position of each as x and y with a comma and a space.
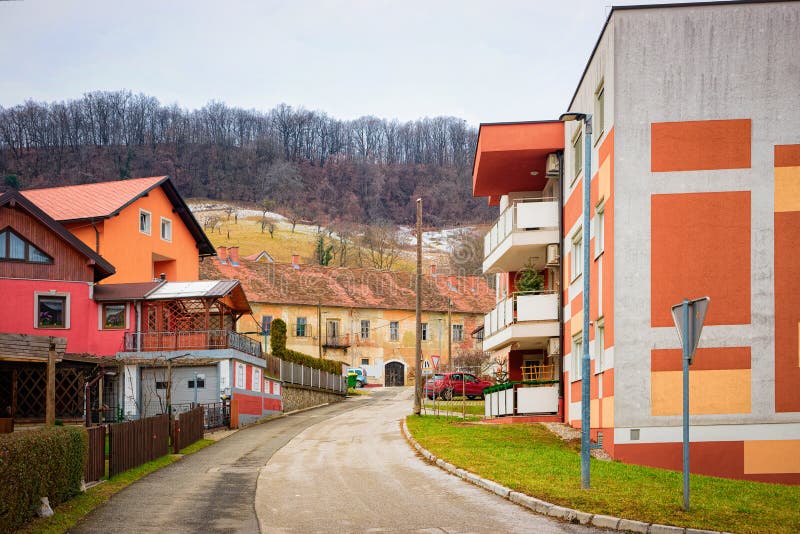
233, 256
433, 269
222, 254
296, 261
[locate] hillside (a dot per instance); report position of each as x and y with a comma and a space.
320, 168
454, 250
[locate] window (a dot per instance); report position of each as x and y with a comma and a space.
300, 327
161, 385
240, 370
113, 316
256, 386
14, 247
577, 254
364, 329
201, 383
145, 221
166, 229
599, 229
364, 361
52, 310
479, 335
577, 354
394, 331
458, 332
599, 111
266, 324
599, 342
424, 331
577, 154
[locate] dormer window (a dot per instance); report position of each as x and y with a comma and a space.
14, 247
145, 222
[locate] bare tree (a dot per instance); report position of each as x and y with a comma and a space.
381, 242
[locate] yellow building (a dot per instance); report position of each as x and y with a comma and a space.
363, 317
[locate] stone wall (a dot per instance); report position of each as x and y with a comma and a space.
299, 397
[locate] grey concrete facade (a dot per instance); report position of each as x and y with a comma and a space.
691, 63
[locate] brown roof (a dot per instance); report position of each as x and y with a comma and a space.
86, 201
281, 283
102, 200
129, 291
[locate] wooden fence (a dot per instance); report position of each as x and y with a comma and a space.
134, 443
96, 461
187, 428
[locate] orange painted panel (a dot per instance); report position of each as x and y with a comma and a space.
710, 392
761, 456
707, 359
787, 311
608, 383
606, 154
787, 189
607, 407
700, 246
700, 145
787, 155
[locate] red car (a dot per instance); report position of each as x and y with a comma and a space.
448, 385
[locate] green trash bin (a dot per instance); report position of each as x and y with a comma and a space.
352, 380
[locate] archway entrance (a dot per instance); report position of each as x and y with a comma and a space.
395, 374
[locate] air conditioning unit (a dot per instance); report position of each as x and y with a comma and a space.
552, 254
554, 346
552, 168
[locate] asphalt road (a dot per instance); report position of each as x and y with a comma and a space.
340, 468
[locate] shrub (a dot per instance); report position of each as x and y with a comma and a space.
35, 464
277, 337
279, 350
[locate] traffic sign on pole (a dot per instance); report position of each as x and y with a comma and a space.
691, 330
435, 361
688, 316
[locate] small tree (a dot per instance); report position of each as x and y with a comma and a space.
277, 337
529, 279
324, 253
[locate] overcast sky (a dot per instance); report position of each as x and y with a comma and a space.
484, 60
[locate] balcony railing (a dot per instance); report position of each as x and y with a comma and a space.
196, 340
520, 307
336, 342
525, 214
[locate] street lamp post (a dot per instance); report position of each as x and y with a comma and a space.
586, 118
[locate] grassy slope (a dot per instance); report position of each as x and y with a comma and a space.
247, 235
529, 459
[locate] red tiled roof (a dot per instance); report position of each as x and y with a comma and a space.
281, 283
71, 202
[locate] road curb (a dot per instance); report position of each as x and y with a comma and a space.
549, 509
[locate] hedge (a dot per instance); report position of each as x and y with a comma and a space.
277, 339
35, 464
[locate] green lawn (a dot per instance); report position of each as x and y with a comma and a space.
454, 407
531, 460
69, 513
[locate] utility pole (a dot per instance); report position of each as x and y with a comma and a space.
418, 357
449, 331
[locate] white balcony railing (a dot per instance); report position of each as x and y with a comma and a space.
521, 307
525, 214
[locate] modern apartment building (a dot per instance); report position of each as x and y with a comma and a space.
695, 191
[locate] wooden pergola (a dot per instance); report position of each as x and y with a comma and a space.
27, 349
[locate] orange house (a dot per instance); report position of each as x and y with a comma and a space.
142, 226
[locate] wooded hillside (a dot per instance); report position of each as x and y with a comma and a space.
313, 165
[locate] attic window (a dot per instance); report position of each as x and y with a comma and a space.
14, 247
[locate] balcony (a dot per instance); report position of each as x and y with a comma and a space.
523, 230
336, 342
192, 340
522, 318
